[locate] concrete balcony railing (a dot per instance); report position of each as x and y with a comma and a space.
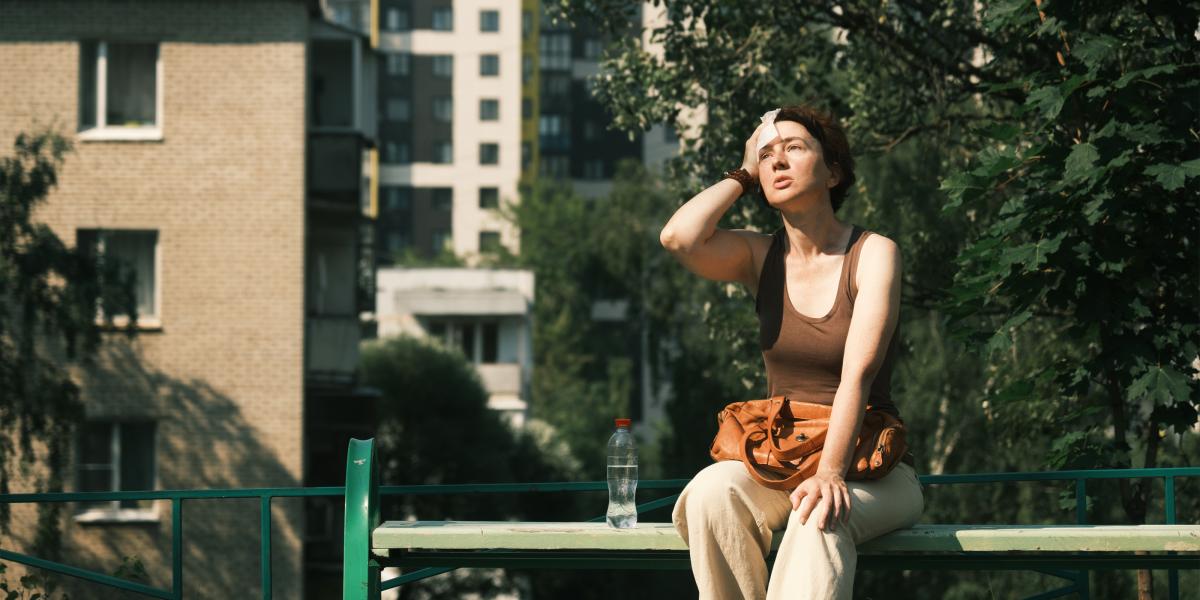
500, 378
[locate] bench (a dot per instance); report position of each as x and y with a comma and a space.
441, 546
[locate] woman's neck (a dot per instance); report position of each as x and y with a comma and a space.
814, 231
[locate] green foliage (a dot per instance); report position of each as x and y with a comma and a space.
49, 295
1094, 231
435, 427
28, 587
1047, 216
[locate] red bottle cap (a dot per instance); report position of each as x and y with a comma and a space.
624, 422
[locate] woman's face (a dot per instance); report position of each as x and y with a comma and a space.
793, 166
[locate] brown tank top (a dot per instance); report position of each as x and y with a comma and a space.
803, 354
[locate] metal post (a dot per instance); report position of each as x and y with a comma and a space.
1083, 577
177, 548
360, 574
1169, 505
264, 518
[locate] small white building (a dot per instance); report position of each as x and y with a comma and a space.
487, 313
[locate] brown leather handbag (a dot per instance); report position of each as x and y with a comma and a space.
780, 440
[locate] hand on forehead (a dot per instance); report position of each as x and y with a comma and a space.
769, 132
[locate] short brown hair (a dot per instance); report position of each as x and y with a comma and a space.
834, 146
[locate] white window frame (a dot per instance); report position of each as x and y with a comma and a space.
101, 131
113, 513
144, 322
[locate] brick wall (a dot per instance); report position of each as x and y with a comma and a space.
224, 188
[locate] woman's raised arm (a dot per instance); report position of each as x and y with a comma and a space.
691, 234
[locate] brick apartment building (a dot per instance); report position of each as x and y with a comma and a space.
222, 150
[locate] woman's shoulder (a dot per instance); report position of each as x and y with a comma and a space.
876, 244
878, 258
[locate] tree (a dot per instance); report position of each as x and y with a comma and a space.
50, 295
1064, 134
1090, 227
434, 427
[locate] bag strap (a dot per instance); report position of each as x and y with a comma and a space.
791, 481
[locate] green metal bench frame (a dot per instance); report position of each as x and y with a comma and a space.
364, 560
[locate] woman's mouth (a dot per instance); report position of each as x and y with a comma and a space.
782, 182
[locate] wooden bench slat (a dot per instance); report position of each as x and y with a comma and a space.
483, 535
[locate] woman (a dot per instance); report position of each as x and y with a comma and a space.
828, 297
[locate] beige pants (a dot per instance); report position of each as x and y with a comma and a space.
728, 522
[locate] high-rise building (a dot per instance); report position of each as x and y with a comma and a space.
450, 110
575, 142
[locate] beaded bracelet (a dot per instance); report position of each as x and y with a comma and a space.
742, 176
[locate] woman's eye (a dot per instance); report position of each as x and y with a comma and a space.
793, 147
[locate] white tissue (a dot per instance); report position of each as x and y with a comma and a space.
769, 132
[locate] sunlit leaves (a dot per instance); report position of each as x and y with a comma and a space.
1080, 163
1172, 177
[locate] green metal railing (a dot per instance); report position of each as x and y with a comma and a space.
362, 512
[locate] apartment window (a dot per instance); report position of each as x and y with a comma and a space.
554, 166
134, 255
551, 125
443, 199
119, 87
489, 154
479, 341
526, 68
489, 241
342, 15
443, 19
526, 108
489, 65
591, 131
489, 197
399, 64
593, 169
489, 21
397, 152
592, 48
555, 51
556, 86
396, 199
489, 109
490, 334
399, 109
526, 155
526, 23
443, 108
397, 19
443, 65
440, 240
443, 153
396, 242
115, 456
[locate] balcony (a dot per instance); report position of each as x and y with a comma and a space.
501, 378
335, 169
331, 348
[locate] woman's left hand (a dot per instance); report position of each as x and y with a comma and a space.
825, 497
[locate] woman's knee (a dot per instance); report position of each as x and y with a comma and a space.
713, 491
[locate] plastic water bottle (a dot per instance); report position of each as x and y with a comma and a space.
622, 477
